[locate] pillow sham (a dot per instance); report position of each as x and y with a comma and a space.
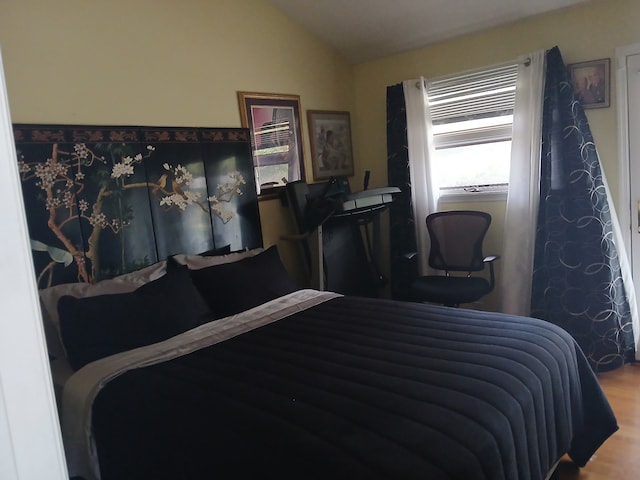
123, 283
216, 252
50, 296
199, 261
235, 287
128, 282
103, 325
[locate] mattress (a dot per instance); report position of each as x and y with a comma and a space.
315, 385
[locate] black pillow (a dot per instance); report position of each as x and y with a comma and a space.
217, 251
231, 288
96, 327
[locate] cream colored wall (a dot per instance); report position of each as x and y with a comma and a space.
165, 62
587, 32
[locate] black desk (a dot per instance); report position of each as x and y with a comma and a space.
336, 253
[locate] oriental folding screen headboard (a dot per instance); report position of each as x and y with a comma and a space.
102, 201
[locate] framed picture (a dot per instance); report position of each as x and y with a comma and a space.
590, 82
276, 138
331, 150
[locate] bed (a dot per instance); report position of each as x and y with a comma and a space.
172, 363
287, 383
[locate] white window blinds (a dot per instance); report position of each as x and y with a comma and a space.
474, 95
473, 108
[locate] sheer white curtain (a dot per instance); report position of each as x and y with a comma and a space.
421, 149
524, 187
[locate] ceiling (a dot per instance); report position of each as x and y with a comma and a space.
364, 30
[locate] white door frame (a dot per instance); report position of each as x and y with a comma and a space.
30, 440
626, 211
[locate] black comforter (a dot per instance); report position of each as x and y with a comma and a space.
359, 388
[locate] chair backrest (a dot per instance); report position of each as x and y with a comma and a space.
456, 240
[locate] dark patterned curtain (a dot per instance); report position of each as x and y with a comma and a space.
402, 228
577, 282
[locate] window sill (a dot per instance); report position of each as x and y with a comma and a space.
481, 194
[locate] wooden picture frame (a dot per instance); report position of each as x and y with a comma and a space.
273, 121
591, 82
331, 146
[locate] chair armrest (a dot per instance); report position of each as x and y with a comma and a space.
490, 259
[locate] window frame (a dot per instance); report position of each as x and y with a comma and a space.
469, 96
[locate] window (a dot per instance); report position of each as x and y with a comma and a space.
472, 116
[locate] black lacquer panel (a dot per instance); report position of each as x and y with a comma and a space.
102, 201
56, 243
178, 197
231, 183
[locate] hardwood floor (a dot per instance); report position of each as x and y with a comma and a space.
618, 458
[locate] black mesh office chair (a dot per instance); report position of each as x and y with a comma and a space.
456, 246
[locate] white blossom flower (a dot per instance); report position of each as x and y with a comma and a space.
174, 199
182, 201
81, 150
183, 175
83, 205
23, 167
68, 199
221, 213
48, 172
53, 202
238, 177
123, 169
98, 220
191, 196
116, 225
